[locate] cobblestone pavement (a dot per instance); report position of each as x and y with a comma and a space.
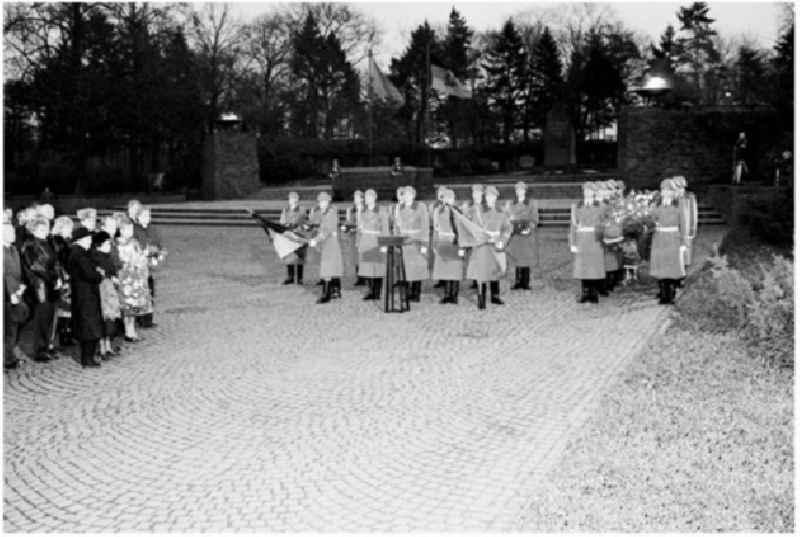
249, 407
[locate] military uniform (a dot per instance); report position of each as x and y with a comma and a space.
371, 261
487, 263
412, 222
473, 212
352, 221
523, 250
330, 265
589, 257
666, 264
688, 206
293, 219
313, 221
448, 265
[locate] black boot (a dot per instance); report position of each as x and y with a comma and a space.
525, 279
662, 292
377, 285
372, 295
326, 293
482, 297
670, 290
321, 282
289, 275
336, 288
584, 292
299, 274
474, 284
593, 291
517, 278
454, 292
415, 291
495, 289
359, 279
440, 284
609, 281
447, 292
600, 287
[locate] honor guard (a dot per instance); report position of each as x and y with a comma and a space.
440, 193
487, 263
669, 244
312, 224
327, 241
371, 261
585, 244
293, 217
687, 202
412, 222
352, 226
448, 257
523, 249
472, 210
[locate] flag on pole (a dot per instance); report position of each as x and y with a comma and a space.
445, 83
382, 87
469, 233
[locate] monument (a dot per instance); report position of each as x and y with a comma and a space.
559, 138
230, 162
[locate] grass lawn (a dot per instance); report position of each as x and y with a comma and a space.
697, 435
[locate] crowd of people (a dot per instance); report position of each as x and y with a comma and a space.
88, 282
450, 242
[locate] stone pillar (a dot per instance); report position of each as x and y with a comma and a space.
230, 165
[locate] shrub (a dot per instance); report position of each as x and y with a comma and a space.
770, 216
755, 304
770, 328
717, 298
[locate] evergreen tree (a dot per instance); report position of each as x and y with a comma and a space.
750, 71
506, 64
456, 46
783, 67
410, 74
546, 80
697, 54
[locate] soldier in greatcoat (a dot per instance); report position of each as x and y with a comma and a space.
523, 249
448, 257
312, 225
327, 241
487, 263
440, 192
585, 243
612, 239
472, 210
353, 215
687, 202
668, 246
412, 222
373, 223
293, 217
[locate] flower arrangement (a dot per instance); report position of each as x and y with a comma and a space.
633, 213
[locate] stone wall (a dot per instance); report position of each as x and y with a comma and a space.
380, 179
697, 143
230, 165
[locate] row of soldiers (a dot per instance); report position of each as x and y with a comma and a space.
436, 247
432, 249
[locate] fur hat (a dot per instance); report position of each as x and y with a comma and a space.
491, 190
370, 193
87, 214
520, 185
323, 196
477, 188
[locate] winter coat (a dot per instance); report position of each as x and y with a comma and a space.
447, 264
412, 222
523, 249
668, 237
87, 321
585, 232
330, 264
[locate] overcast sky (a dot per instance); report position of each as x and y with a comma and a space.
758, 20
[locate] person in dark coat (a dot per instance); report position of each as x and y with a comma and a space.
15, 311
60, 238
101, 255
85, 278
39, 268
150, 240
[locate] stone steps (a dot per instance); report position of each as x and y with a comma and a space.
552, 213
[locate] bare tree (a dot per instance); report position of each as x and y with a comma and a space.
218, 38
268, 50
356, 32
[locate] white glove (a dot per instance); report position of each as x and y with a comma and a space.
682, 248
423, 250
574, 249
313, 243
14, 298
499, 245
460, 252
384, 249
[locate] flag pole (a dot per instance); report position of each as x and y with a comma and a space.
370, 97
427, 97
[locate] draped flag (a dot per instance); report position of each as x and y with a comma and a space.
469, 233
285, 243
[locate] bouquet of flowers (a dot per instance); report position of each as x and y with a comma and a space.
633, 213
155, 256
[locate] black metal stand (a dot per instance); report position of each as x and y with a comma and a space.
395, 298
